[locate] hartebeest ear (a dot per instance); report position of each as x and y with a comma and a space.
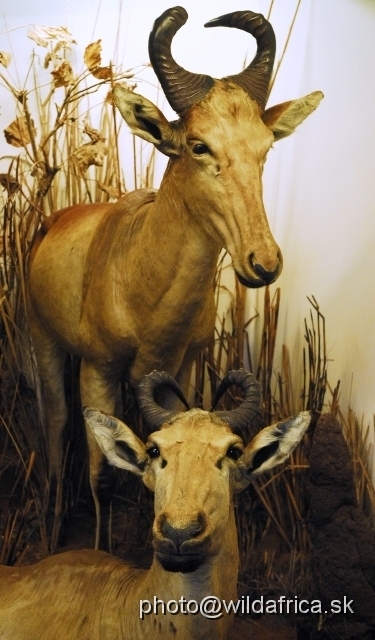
283, 118
119, 444
147, 121
270, 447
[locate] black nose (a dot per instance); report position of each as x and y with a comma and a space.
182, 534
264, 274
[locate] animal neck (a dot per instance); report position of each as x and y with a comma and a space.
168, 251
170, 267
216, 577
180, 229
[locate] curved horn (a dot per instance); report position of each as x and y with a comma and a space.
181, 88
239, 419
152, 413
256, 77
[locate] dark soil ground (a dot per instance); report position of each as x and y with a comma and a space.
266, 628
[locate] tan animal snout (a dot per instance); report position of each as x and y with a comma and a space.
267, 270
181, 546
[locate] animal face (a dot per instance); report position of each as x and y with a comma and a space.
219, 145
217, 153
193, 464
191, 508
224, 144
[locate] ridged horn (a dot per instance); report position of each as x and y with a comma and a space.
255, 79
153, 414
181, 88
239, 419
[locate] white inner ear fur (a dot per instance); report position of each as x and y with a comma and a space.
109, 433
146, 120
283, 118
284, 435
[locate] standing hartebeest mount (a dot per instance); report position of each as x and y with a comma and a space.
90, 595
128, 287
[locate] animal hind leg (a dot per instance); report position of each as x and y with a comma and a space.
50, 358
101, 393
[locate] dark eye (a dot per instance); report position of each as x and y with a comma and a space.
200, 149
153, 452
233, 453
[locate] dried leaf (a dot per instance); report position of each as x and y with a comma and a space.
17, 134
94, 134
90, 154
44, 35
113, 192
22, 97
46, 181
47, 60
93, 60
53, 56
63, 75
92, 55
59, 45
109, 97
5, 59
9, 183
33, 35
102, 73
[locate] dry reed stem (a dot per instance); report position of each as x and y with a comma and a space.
42, 179
280, 61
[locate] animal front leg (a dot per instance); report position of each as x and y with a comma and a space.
183, 377
98, 391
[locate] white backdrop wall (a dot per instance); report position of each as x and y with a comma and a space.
320, 191
318, 185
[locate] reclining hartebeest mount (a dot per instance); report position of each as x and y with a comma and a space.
193, 461
128, 286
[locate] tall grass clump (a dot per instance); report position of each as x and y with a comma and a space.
57, 158
273, 538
